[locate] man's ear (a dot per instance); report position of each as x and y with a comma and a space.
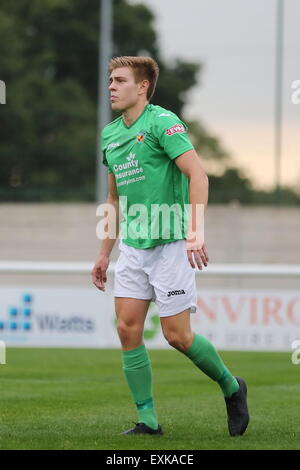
144, 85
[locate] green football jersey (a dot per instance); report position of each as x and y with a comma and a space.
153, 192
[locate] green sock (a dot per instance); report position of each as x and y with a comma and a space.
138, 373
205, 357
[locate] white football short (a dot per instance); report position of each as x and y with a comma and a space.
162, 273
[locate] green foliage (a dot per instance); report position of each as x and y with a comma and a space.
206, 144
49, 62
234, 186
174, 83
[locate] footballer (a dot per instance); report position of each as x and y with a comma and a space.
152, 162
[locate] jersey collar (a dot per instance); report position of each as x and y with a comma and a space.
134, 122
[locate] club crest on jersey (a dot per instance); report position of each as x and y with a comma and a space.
175, 129
140, 137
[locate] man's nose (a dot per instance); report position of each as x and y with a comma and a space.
111, 86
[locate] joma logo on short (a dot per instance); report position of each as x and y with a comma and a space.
175, 292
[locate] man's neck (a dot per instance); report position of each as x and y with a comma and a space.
132, 114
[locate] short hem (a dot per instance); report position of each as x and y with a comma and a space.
192, 307
132, 296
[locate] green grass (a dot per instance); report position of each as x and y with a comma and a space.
78, 399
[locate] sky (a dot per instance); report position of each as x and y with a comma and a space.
235, 94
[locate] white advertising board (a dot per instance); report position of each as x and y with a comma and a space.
84, 317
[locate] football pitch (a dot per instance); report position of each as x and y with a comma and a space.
78, 399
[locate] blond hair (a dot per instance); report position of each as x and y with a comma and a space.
144, 68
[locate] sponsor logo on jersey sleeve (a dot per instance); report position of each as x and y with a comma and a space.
113, 145
177, 128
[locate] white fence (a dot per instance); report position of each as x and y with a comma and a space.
48, 267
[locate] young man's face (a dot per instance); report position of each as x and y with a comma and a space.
124, 92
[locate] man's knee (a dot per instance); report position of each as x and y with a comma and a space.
129, 330
180, 341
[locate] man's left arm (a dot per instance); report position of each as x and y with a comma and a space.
189, 163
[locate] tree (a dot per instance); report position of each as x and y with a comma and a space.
49, 61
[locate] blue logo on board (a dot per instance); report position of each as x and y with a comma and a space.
18, 318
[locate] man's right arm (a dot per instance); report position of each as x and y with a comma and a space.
101, 265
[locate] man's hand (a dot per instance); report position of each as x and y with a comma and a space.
197, 249
99, 272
